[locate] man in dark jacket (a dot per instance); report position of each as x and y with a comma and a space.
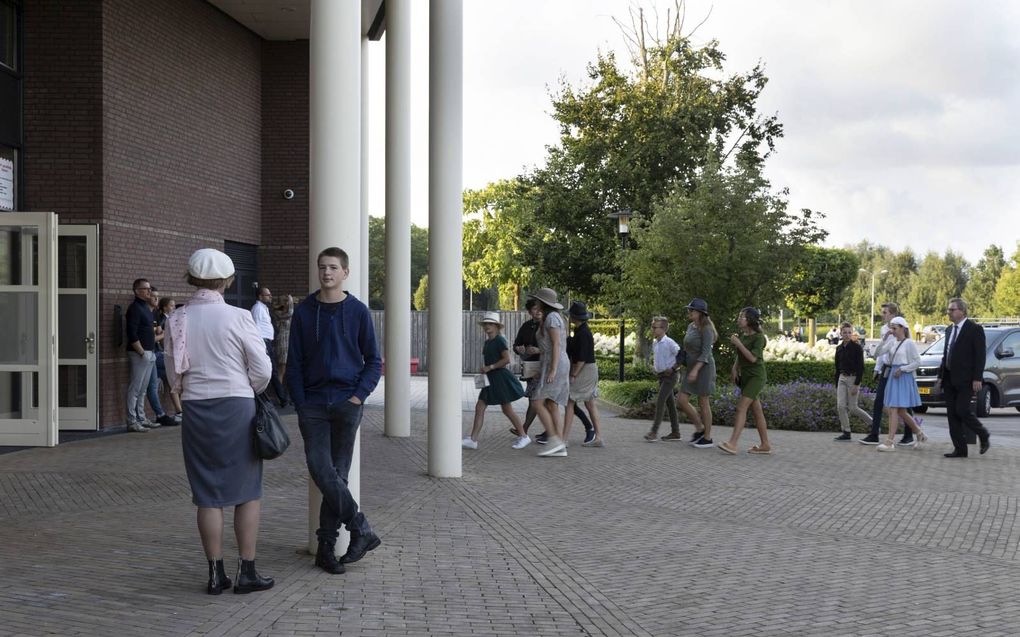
141, 346
333, 365
849, 371
960, 375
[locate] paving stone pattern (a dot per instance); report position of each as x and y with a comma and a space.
98, 538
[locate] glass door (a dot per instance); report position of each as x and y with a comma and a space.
77, 320
28, 335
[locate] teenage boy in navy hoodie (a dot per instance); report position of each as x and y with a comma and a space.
333, 366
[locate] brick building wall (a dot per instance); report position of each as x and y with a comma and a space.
283, 255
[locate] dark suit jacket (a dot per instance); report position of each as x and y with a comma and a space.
968, 356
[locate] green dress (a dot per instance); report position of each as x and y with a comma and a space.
752, 375
503, 387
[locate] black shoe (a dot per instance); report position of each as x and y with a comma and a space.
954, 454
542, 438
868, 440
167, 421
360, 544
843, 436
984, 445
249, 580
696, 436
325, 558
906, 441
218, 580
589, 435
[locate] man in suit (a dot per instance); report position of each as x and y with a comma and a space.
960, 375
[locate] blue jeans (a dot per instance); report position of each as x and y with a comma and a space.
152, 393
329, 432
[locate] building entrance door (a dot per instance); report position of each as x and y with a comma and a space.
77, 321
28, 331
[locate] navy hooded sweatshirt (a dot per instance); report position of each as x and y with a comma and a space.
332, 352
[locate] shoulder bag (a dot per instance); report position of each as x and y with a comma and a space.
271, 438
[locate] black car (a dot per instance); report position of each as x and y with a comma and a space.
1001, 386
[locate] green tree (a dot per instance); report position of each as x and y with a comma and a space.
421, 295
377, 259
630, 136
730, 241
937, 280
980, 290
818, 282
498, 235
1007, 290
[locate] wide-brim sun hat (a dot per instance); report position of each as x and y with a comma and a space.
698, 304
207, 264
547, 296
579, 311
491, 317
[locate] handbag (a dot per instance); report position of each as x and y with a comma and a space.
530, 369
681, 358
481, 381
271, 438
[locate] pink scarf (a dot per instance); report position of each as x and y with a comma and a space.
178, 326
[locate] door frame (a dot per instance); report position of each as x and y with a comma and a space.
84, 418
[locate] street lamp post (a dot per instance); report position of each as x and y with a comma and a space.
871, 331
622, 217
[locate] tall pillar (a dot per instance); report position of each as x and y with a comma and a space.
334, 136
363, 266
398, 218
446, 25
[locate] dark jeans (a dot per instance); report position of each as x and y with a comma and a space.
876, 412
329, 432
961, 418
152, 392
274, 380
666, 403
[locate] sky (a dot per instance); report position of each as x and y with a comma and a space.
900, 117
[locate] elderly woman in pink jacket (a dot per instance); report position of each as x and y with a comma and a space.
217, 362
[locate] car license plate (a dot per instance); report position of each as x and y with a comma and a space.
924, 391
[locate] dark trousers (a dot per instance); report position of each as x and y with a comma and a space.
329, 432
876, 411
582, 416
665, 403
274, 380
961, 418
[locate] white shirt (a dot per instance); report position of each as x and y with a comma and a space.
228, 357
884, 348
260, 312
664, 353
904, 354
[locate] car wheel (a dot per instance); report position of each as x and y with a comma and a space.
984, 401
921, 409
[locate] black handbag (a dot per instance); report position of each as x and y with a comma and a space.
681, 358
271, 438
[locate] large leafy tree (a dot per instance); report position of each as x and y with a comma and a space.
938, 279
818, 282
1007, 290
632, 134
377, 259
730, 241
980, 290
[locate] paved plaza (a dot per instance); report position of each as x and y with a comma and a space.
98, 537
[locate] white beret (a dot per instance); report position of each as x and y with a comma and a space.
208, 263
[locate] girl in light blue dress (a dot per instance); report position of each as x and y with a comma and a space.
901, 388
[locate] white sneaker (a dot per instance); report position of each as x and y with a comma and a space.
468, 443
554, 448
522, 442
886, 447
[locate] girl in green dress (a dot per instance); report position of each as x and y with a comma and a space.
503, 388
748, 374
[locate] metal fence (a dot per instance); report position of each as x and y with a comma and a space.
474, 337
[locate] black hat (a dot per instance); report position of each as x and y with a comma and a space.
579, 311
699, 305
752, 314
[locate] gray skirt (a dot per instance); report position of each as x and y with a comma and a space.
219, 451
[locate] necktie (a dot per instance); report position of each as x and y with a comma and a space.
952, 341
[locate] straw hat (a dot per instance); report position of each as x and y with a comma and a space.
491, 317
547, 296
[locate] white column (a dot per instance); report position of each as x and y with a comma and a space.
363, 267
398, 218
445, 184
334, 136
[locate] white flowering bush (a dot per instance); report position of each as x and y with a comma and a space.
610, 344
788, 349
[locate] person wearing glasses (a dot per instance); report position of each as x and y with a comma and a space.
141, 348
960, 377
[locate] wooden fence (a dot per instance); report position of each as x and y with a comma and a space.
474, 337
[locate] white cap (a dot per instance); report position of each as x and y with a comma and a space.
899, 320
208, 263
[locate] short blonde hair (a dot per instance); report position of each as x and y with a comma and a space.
661, 320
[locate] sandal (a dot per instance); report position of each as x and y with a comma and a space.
726, 448
759, 451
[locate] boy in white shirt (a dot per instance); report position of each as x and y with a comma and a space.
664, 351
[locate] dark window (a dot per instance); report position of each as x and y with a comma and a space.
241, 292
8, 35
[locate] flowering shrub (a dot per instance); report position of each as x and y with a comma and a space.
796, 406
610, 343
787, 349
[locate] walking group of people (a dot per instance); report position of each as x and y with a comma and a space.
960, 376
218, 357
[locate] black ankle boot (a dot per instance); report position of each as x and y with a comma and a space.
249, 580
218, 580
325, 558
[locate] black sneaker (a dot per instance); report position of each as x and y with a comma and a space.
703, 443
843, 436
542, 438
696, 436
868, 440
906, 441
589, 435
